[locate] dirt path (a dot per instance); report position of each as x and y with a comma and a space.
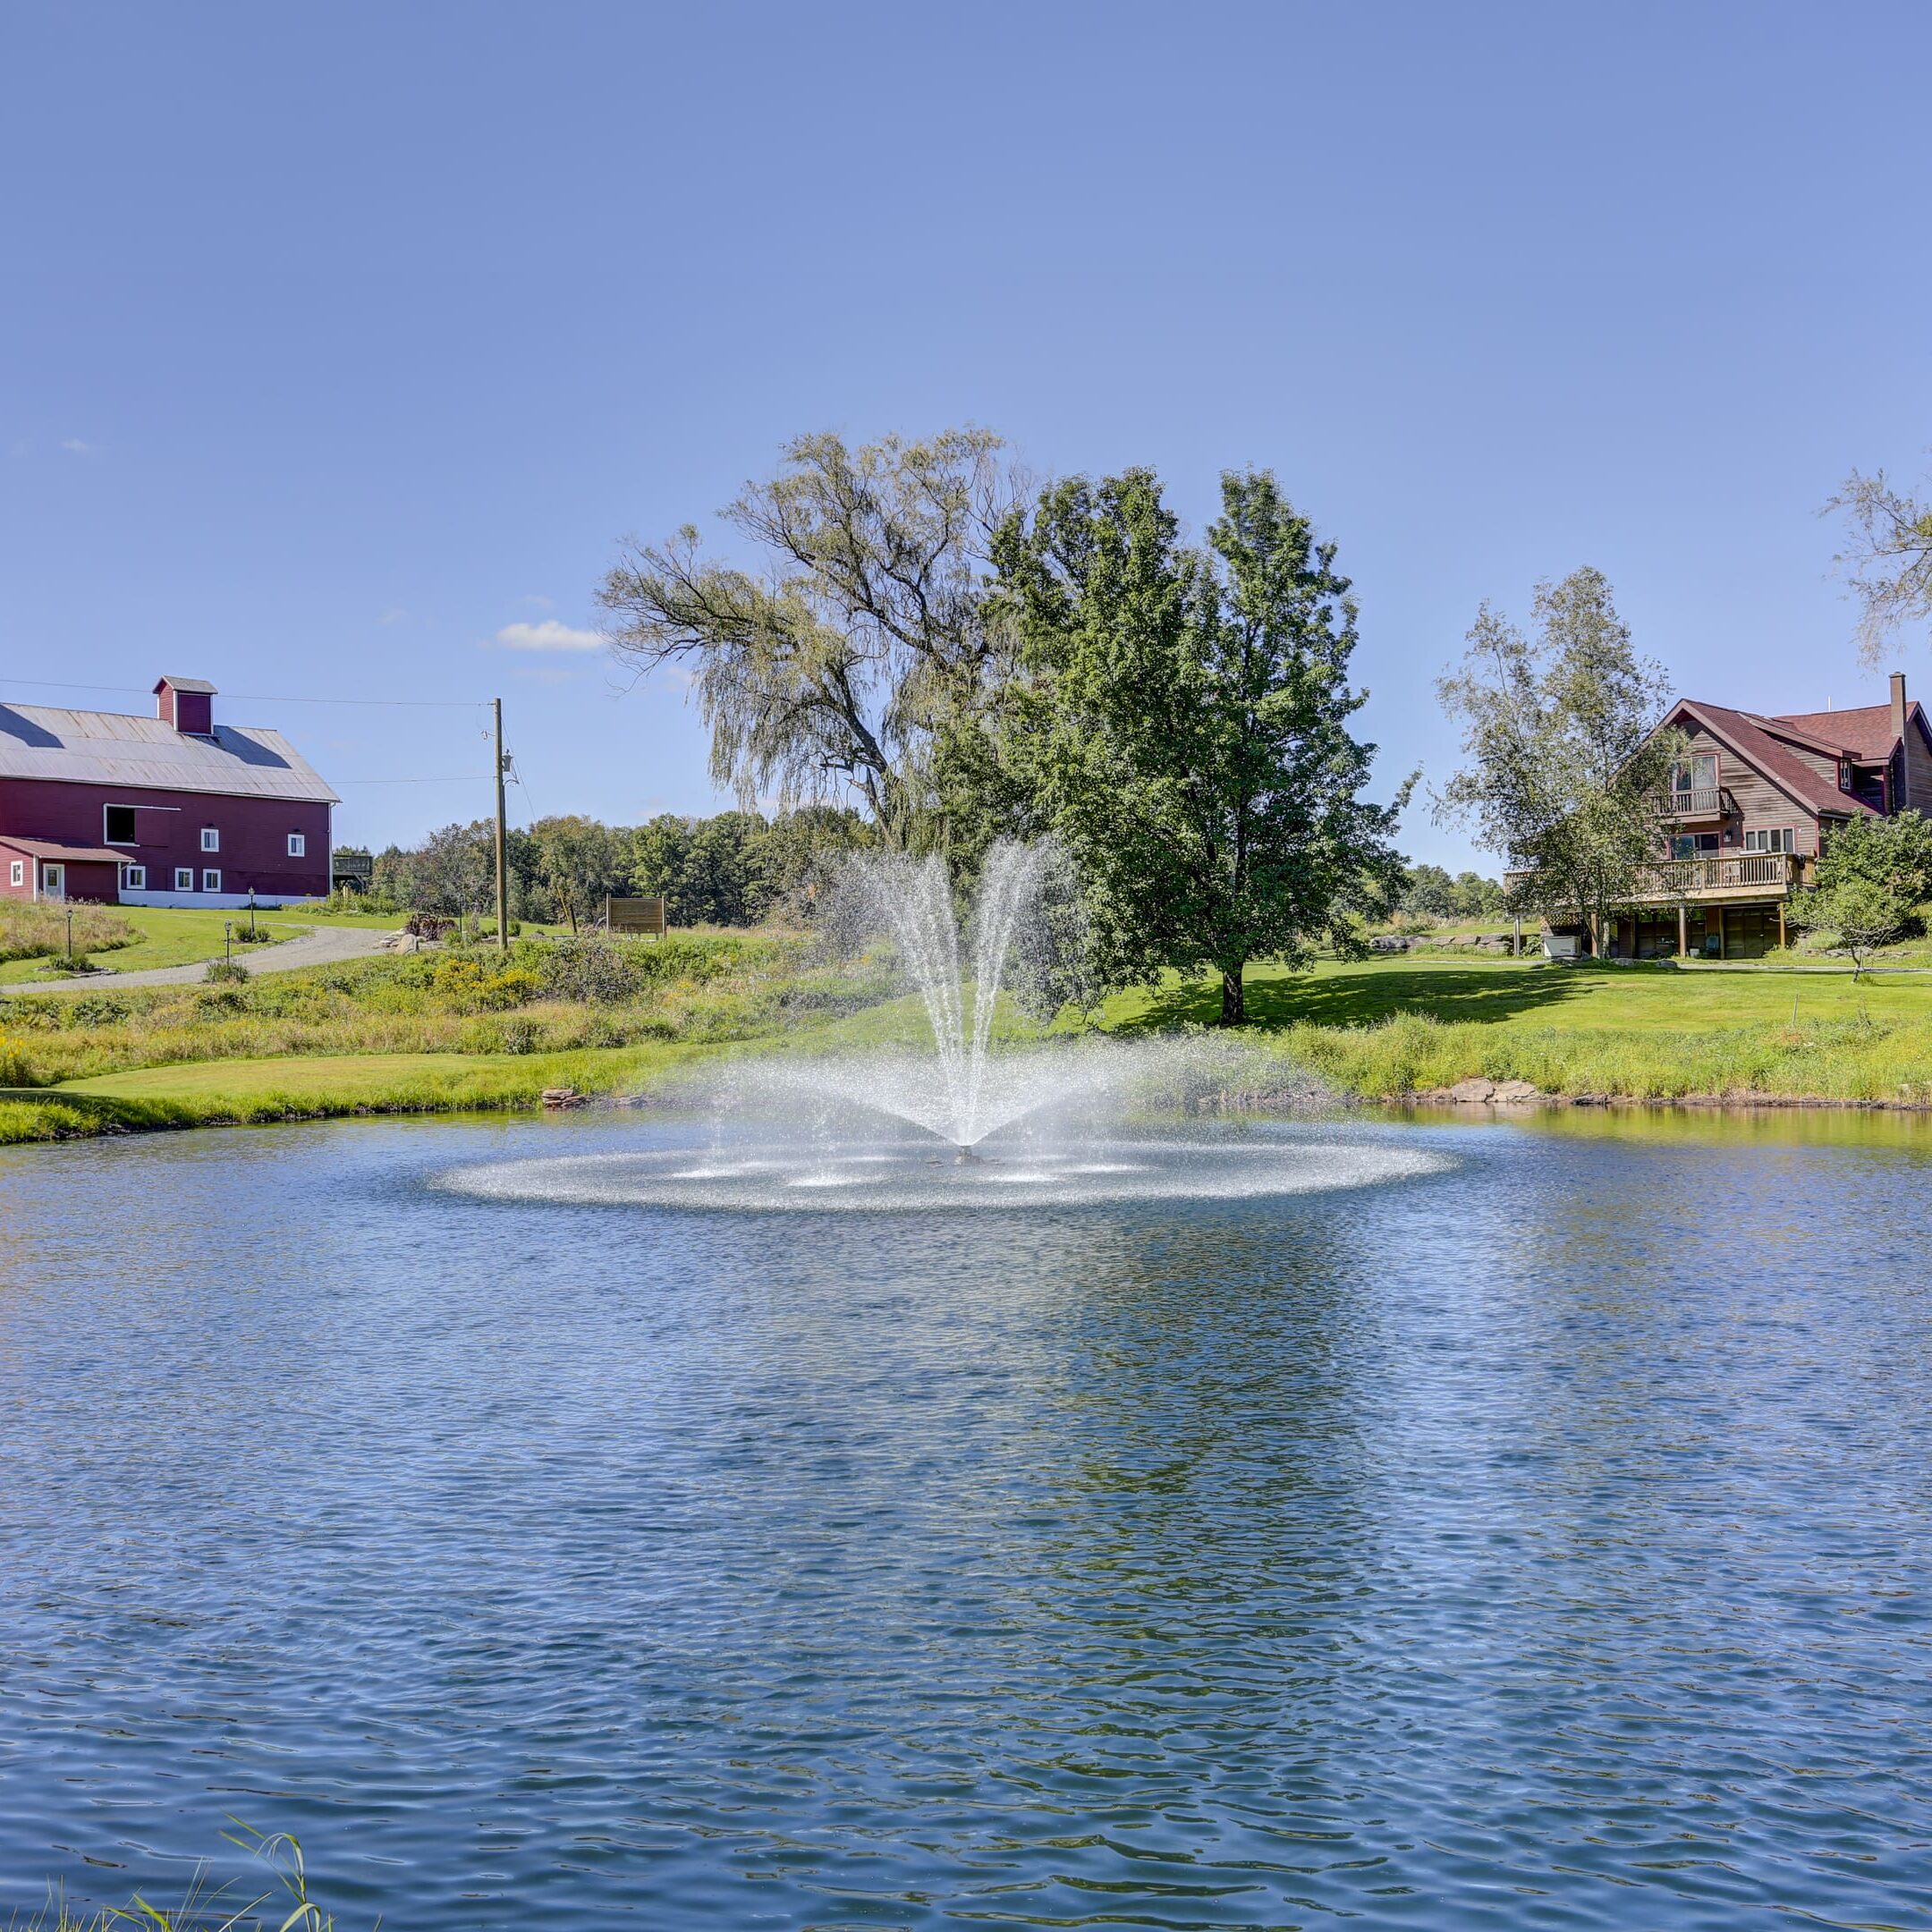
321, 945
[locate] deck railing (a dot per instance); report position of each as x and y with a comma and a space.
1771, 875
1703, 801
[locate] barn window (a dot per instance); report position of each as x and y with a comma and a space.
133, 879
183, 878
298, 844
211, 880
210, 839
19, 875
117, 824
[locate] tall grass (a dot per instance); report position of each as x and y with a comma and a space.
1851, 1059
29, 929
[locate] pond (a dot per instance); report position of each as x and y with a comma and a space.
1532, 1531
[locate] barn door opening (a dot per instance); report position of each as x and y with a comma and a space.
53, 881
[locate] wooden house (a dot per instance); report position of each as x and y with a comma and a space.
1750, 809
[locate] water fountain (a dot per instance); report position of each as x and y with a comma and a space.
963, 1116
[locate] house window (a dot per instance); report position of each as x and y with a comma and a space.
183, 878
1698, 773
18, 873
133, 879
117, 824
211, 880
298, 844
1776, 838
210, 839
1693, 844
1844, 774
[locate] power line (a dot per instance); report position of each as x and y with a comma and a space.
467, 778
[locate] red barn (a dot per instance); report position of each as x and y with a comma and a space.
171, 811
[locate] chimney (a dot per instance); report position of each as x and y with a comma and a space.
188, 704
1898, 707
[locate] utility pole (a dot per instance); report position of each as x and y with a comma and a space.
502, 840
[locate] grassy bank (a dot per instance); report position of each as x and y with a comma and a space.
415, 1032
1385, 1028
437, 1032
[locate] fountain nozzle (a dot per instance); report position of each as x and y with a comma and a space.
965, 1153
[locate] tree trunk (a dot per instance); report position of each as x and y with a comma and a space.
1233, 998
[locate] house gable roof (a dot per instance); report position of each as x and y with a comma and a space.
114, 749
1756, 740
1864, 733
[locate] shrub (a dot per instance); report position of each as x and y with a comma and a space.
60, 965
228, 972
593, 971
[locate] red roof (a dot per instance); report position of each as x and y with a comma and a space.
1752, 739
1864, 733
72, 854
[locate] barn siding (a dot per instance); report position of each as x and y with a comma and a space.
254, 833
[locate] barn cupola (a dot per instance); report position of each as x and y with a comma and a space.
188, 704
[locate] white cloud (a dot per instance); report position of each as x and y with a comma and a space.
549, 635
77, 445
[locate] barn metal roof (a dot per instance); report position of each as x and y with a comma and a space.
111, 748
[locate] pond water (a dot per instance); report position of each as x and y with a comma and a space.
1531, 1532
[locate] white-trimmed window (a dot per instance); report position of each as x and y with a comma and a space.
18, 876
211, 880
183, 878
211, 838
117, 824
1773, 838
298, 844
133, 879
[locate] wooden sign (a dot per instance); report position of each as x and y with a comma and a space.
634, 916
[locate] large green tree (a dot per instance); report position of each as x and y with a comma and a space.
824, 665
1567, 772
1178, 719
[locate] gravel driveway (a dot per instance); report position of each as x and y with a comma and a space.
321, 945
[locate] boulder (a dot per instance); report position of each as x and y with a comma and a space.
1514, 1092
1473, 1092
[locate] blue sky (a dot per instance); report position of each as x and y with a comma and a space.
338, 341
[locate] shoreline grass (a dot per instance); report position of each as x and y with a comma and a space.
456, 1033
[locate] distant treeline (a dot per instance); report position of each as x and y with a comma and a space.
1429, 892
734, 868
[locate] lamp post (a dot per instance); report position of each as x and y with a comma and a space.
227, 938
253, 934
70, 936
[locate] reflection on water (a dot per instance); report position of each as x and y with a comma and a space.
1540, 1542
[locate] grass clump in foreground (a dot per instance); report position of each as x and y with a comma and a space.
285, 1903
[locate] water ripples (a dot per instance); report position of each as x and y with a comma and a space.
1521, 1544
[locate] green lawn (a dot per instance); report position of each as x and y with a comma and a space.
170, 936
1691, 999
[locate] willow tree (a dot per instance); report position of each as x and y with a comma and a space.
825, 667
1178, 720
1567, 771
1888, 558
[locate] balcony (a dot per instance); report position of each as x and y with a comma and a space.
1702, 803
1734, 876
1713, 878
